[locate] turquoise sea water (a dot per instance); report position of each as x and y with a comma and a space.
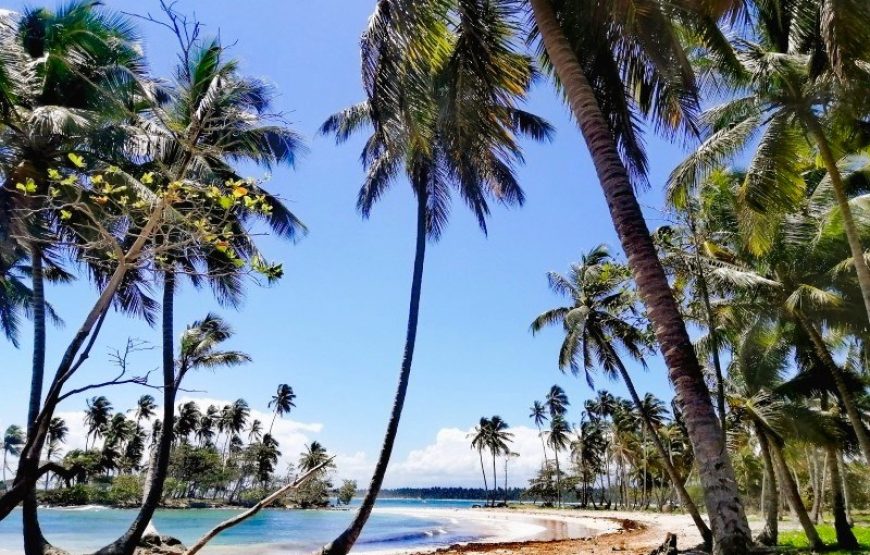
83, 529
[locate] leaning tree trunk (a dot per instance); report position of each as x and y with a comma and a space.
852, 233
845, 394
769, 535
730, 528
494, 481
675, 477
844, 477
792, 494
345, 541
845, 537
127, 543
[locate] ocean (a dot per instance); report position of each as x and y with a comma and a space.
394, 525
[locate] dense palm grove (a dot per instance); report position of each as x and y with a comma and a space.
130, 181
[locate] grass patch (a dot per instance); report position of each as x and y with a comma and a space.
797, 540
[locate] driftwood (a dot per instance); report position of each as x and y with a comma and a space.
230, 522
669, 547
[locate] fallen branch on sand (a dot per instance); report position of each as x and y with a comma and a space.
230, 522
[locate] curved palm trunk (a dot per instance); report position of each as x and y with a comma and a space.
676, 479
846, 396
769, 535
845, 537
483, 471
843, 476
127, 543
730, 528
852, 234
792, 494
345, 541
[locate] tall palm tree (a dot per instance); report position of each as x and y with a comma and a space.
454, 128
558, 438
187, 421
97, 415
145, 407
601, 320
255, 431
556, 401
538, 415
585, 45
282, 401
480, 441
13, 439
199, 348
497, 440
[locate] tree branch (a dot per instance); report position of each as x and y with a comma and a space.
230, 522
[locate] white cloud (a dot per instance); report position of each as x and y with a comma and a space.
450, 461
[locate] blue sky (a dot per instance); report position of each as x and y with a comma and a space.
334, 327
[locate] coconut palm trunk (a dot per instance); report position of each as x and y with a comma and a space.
852, 233
34, 542
343, 543
558, 479
845, 537
769, 535
676, 479
730, 528
845, 394
792, 494
127, 543
494, 480
483, 472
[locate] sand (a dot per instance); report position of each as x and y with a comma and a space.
530, 531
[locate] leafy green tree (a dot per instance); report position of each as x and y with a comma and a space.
145, 407
346, 492
479, 441
538, 415
556, 401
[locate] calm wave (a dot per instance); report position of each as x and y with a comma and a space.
83, 529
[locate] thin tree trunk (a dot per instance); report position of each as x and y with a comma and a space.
677, 480
483, 471
845, 537
822, 478
846, 497
345, 541
494, 481
127, 543
852, 233
846, 396
730, 528
793, 496
770, 495
558, 479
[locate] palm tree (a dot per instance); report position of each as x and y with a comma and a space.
539, 417
313, 456
255, 432
57, 432
454, 127
282, 401
199, 349
145, 408
187, 421
13, 439
497, 441
558, 438
479, 441
586, 46
97, 417
602, 317
556, 401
